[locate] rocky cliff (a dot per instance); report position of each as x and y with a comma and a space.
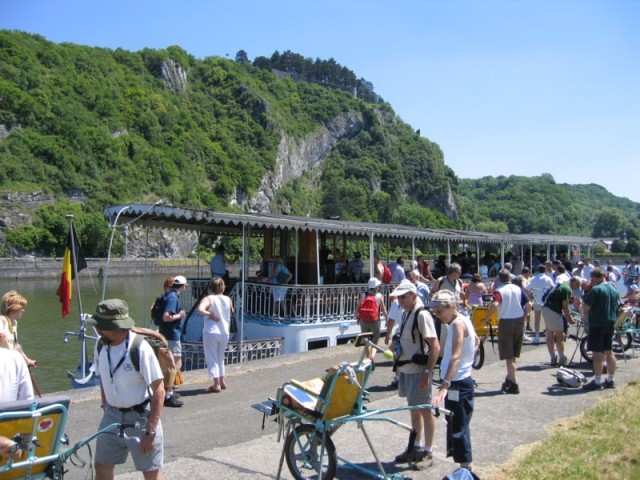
297, 156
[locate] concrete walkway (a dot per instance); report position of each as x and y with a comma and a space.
219, 436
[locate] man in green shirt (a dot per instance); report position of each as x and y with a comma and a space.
557, 304
601, 305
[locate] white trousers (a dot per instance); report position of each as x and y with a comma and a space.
214, 345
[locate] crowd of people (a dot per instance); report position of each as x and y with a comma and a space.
426, 323
558, 293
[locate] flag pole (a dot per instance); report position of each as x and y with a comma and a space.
83, 328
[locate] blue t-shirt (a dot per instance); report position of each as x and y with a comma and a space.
218, 267
172, 330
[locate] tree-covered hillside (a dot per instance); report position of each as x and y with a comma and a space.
540, 205
107, 126
82, 128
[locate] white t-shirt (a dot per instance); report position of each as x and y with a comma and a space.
537, 285
127, 387
411, 343
15, 382
395, 314
220, 306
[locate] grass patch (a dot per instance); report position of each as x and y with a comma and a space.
600, 443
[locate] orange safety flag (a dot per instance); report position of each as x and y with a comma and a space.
64, 290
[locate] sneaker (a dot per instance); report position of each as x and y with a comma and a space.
414, 455
592, 385
554, 362
509, 387
177, 395
526, 338
172, 401
564, 361
536, 341
609, 384
512, 389
421, 455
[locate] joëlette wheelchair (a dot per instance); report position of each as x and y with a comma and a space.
37, 427
309, 412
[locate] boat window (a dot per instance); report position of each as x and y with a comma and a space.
316, 344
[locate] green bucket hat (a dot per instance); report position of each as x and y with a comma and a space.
111, 315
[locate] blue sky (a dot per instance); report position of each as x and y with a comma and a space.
504, 87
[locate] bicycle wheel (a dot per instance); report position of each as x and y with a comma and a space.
586, 354
478, 358
302, 450
621, 342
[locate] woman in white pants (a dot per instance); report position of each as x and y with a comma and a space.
216, 310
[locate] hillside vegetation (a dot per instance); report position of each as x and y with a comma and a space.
88, 127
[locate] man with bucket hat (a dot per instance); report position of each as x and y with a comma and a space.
129, 395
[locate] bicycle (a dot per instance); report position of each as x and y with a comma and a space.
38, 430
309, 413
622, 335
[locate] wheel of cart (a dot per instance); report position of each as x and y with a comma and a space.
38, 430
484, 327
310, 412
622, 337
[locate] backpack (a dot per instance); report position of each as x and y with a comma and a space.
386, 274
570, 378
369, 310
461, 474
160, 348
547, 295
458, 282
157, 310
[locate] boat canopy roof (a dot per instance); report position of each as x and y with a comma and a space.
231, 223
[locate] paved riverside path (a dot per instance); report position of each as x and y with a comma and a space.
220, 436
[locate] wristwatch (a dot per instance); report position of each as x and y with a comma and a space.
150, 434
445, 382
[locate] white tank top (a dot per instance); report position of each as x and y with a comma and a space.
220, 307
468, 351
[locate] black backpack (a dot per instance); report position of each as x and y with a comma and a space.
157, 310
549, 293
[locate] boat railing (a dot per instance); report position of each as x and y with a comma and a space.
303, 304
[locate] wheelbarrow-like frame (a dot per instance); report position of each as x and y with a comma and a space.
308, 417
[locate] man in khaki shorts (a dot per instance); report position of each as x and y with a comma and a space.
556, 305
512, 304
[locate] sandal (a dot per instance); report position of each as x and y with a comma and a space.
213, 389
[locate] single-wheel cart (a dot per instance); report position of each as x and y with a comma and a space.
38, 430
310, 412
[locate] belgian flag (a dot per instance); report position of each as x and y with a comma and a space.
64, 290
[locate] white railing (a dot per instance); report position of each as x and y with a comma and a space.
303, 304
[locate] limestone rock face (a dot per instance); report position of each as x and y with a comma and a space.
174, 76
163, 243
297, 156
443, 202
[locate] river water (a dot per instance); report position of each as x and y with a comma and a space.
42, 327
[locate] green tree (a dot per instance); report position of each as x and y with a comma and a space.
609, 222
492, 226
241, 57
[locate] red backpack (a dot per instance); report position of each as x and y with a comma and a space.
386, 275
368, 311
